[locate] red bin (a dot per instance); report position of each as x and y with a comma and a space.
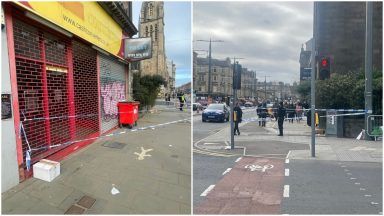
128, 113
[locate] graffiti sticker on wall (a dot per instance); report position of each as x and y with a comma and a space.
111, 94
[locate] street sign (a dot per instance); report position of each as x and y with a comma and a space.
137, 49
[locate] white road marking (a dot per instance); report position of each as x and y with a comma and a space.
374, 203
288, 155
226, 143
343, 166
286, 172
286, 191
352, 178
211, 143
205, 193
253, 167
238, 159
362, 189
287, 161
357, 183
367, 195
226, 171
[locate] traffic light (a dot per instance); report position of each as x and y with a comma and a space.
325, 68
237, 76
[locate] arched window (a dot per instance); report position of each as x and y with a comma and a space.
150, 9
156, 31
146, 31
151, 30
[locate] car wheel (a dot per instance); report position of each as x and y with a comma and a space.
203, 120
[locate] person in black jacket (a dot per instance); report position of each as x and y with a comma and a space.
237, 115
280, 117
258, 112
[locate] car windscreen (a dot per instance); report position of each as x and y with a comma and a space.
215, 107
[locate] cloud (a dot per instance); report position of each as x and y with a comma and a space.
268, 35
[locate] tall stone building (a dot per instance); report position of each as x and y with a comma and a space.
152, 25
340, 34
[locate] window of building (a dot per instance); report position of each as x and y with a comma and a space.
150, 31
214, 69
214, 78
150, 9
155, 31
146, 31
201, 77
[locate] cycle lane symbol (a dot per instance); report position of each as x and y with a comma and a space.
256, 167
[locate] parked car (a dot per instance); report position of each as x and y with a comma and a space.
216, 112
197, 106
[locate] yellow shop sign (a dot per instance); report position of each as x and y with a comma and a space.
87, 20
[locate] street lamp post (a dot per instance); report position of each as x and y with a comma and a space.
234, 99
368, 66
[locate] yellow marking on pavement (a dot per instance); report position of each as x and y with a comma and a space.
143, 153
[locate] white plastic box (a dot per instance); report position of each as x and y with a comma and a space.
46, 170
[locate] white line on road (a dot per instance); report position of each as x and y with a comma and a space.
287, 161
362, 189
286, 191
343, 166
357, 183
205, 193
288, 154
349, 173
226, 171
367, 195
208, 143
352, 178
286, 172
374, 203
238, 159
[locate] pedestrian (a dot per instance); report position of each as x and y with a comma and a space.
237, 118
299, 112
182, 101
258, 112
263, 117
280, 115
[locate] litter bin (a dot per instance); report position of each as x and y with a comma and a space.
128, 113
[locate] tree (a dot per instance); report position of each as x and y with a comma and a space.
304, 90
146, 88
345, 91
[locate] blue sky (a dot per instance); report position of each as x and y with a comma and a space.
177, 19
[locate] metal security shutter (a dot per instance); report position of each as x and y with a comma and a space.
112, 87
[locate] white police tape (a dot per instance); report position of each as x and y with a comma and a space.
103, 136
94, 115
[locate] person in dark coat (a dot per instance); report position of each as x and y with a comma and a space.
237, 117
280, 118
263, 117
258, 111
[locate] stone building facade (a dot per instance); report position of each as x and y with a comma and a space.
340, 34
221, 78
152, 25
